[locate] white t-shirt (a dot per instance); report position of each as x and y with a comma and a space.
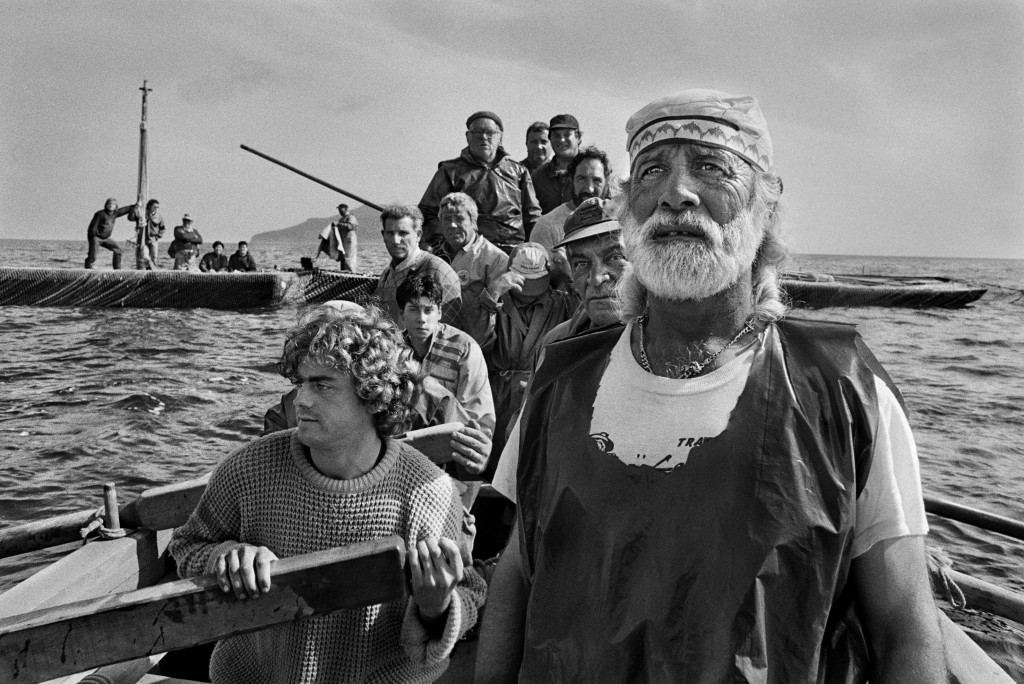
678, 415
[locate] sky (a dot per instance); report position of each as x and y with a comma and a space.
896, 124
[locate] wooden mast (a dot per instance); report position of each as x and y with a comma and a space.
142, 259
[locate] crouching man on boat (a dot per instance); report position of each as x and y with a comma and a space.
337, 479
711, 493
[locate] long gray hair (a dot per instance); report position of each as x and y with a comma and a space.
769, 300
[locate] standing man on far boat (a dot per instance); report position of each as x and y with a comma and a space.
100, 230
538, 146
242, 260
402, 232
338, 240
147, 236
712, 493
552, 181
185, 248
500, 186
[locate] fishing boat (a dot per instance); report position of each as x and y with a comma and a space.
145, 289
821, 290
111, 609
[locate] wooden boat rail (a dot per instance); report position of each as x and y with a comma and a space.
70, 638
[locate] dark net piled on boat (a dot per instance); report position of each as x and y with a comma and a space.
141, 289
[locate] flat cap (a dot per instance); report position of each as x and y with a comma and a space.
706, 117
485, 115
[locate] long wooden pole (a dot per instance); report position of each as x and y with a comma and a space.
142, 220
313, 178
973, 516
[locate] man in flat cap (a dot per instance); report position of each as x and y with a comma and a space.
500, 186
713, 492
552, 180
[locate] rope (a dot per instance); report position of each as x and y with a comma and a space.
939, 566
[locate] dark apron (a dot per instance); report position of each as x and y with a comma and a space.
731, 568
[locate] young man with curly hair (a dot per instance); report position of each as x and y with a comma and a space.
337, 479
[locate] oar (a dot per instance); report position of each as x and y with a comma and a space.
313, 178
973, 516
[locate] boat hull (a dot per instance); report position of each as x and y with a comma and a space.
141, 289
819, 291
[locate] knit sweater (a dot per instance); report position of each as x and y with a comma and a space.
269, 493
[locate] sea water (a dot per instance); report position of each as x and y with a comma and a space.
146, 397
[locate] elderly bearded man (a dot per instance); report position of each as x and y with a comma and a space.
712, 494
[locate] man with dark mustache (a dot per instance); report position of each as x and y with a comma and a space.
713, 492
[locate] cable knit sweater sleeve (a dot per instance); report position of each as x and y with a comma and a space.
437, 512
214, 524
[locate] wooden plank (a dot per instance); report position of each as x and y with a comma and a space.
434, 441
71, 638
990, 597
42, 534
165, 507
98, 568
965, 660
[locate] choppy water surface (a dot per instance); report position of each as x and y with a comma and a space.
145, 397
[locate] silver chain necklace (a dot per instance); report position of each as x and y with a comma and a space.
693, 368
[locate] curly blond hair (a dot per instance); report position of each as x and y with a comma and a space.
368, 346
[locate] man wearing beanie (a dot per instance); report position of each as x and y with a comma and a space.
711, 492
500, 186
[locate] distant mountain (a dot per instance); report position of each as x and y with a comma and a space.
307, 232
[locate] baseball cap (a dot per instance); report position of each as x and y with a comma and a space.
564, 121
530, 260
186, 217
594, 216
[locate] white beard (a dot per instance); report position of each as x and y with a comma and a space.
692, 270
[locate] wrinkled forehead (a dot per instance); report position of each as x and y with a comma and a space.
597, 245
683, 152
449, 211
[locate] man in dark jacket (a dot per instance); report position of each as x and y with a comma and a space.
551, 181
216, 260
242, 260
500, 186
538, 146
101, 228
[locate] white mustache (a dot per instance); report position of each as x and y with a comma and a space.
666, 219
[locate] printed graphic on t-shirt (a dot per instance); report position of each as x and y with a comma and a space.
672, 458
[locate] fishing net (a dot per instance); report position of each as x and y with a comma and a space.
323, 286
142, 289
